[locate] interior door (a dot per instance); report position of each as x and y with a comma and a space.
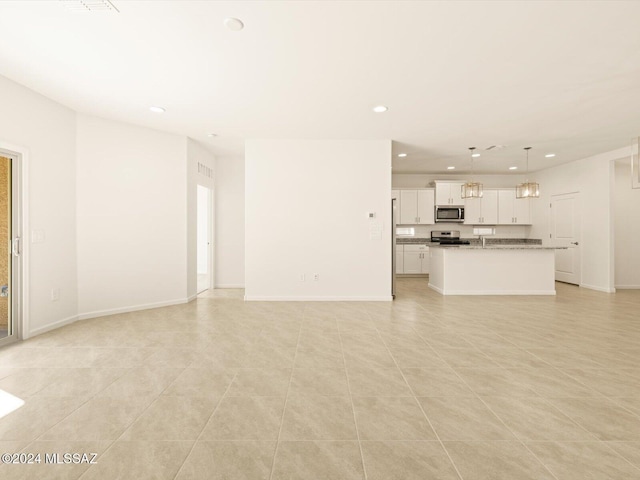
565, 232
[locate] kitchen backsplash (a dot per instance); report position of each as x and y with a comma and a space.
466, 231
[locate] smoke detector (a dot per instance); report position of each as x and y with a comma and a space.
79, 6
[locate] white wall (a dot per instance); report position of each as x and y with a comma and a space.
306, 206
415, 180
195, 154
593, 178
45, 130
627, 228
132, 225
229, 226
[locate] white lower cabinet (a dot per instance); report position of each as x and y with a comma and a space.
399, 258
416, 259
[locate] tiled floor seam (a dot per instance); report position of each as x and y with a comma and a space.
353, 409
498, 417
415, 398
204, 424
286, 398
129, 425
95, 395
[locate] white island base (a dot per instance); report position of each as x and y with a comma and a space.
469, 270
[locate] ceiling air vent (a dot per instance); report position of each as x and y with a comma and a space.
89, 6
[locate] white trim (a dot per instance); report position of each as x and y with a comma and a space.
132, 308
492, 292
230, 285
386, 298
192, 297
598, 289
627, 287
23, 328
53, 326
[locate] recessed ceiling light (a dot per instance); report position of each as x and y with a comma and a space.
157, 109
380, 109
402, 155
211, 135
475, 155
451, 168
513, 168
550, 155
233, 24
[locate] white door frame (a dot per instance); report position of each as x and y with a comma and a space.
20, 228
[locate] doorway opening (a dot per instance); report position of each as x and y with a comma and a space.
205, 239
10, 247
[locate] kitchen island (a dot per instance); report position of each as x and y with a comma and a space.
492, 270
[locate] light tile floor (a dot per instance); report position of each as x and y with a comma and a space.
424, 387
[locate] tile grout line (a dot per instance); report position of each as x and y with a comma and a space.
204, 426
82, 405
134, 420
353, 409
494, 414
415, 399
286, 398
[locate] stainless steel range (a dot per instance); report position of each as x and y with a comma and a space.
448, 237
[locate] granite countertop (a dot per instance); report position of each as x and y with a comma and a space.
499, 247
475, 242
414, 240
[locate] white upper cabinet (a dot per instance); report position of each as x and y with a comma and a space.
417, 207
512, 210
483, 210
408, 207
426, 207
522, 211
449, 193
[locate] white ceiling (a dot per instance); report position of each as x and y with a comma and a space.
562, 77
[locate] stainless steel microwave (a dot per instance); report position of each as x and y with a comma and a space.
450, 214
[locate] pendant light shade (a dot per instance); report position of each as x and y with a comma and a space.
528, 189
471, 189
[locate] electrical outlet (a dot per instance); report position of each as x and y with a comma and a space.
302, 277
55, 294
316, 277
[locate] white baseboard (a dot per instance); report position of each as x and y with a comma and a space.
598, 289
229, 285
51, 326
132, 308
627, 287
192, 298
258, 298
492, 292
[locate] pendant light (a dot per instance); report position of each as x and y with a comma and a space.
528, 189
471, 189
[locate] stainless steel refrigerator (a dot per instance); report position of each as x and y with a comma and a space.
394, 217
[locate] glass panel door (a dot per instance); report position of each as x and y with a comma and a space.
6, 327
10, 247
